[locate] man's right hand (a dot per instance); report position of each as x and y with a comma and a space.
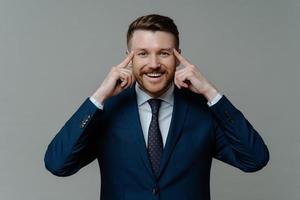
119, 78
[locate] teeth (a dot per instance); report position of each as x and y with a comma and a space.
154, 74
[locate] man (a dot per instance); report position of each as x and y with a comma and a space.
154, 127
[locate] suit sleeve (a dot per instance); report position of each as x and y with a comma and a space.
74, 145
237, 142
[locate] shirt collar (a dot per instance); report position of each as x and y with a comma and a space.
143, 97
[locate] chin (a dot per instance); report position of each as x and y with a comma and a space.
156, 91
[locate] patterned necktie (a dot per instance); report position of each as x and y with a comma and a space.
155, 144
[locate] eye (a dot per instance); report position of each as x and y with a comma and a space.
142, 54
164, 53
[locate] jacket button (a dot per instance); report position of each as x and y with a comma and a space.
82, 125
155, 191
84, 122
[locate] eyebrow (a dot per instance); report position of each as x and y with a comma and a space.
167, 49
162, 49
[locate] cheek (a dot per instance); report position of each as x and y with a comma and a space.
171, 64
134, 70
138, 61
138, 65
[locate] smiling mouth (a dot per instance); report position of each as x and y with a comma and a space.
154, 75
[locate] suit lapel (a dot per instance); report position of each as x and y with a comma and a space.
178, 116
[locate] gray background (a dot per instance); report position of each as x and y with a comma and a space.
53, 54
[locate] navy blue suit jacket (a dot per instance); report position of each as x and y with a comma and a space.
114, 137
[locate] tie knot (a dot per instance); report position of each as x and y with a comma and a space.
154, 104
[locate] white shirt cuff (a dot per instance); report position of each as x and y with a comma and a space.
96, 103
215, 100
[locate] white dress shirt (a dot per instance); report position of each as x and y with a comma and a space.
164, 115
165, 111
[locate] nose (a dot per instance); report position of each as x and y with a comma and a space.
154, 62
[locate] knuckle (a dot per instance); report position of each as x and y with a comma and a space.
190, 73
114, 73
114, 69
193, 67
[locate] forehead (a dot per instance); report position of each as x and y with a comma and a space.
144, 39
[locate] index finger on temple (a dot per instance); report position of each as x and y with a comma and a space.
181, 59
126, 61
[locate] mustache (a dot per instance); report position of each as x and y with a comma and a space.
146, 69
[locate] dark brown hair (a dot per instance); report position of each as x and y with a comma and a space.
154, 22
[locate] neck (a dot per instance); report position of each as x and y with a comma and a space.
158, 94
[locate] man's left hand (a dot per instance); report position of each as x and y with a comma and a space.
190, 77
